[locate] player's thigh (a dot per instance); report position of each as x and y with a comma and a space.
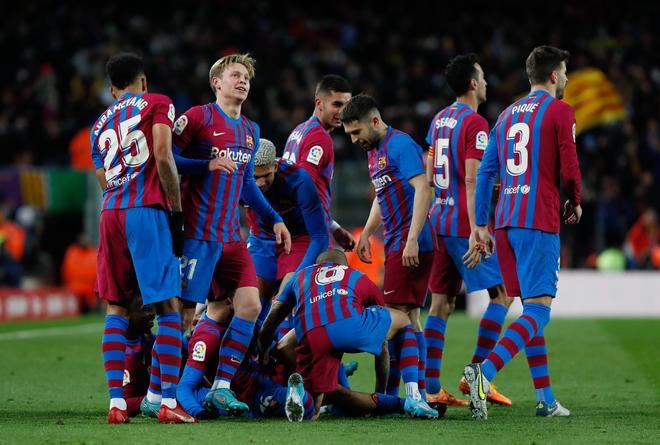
116, 280
406, 285
318, 361
197, 264
289, 262
507, 261
150, 243
262, 252
485, 275
445, 278
537, 257
233, 271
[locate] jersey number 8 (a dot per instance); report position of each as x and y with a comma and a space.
330, 274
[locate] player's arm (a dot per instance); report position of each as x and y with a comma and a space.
253, 197
421, 203
314, 218
373, 222
430, 167
382, 368
569, 166
476, 143
480, 239
98, 161
280, 308
100, 177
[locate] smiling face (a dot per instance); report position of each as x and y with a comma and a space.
232, 83
329, 105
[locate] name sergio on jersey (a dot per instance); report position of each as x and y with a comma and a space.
381, 181
236, 154
449, 122
327, 294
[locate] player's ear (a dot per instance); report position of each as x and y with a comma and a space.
318, 102
554, 76
143, 81
113, 92
474, 84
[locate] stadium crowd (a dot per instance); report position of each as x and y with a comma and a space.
54, 87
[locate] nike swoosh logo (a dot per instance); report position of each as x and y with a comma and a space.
388, 292
218, 134
482, 394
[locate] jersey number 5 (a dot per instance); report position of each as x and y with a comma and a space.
441, 160
520, 167
110, 141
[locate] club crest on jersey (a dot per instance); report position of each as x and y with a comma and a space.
315, 154
180, 125
482, 140
249, 141
382, 162
127, 378
199, 351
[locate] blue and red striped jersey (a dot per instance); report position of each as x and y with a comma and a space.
122, 144
310, 146
531, 146
395, 161
327, 292
456, 133
210, 201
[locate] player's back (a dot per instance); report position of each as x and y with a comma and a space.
329, 292
290, 182
122, 144
310, 146
535, 138
456, 133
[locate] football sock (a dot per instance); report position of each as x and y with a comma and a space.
421, 374
408, 359
537, 359
394, 378
342, 378
168, 348
490, 328
114, 355
387, 404
534, 318
233, 347
434, 334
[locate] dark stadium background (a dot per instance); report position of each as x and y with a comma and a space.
52, 87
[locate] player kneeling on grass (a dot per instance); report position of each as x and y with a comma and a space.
253, 384
338, 309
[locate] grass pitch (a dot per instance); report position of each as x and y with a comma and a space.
52, 390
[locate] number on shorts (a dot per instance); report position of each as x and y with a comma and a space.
190, 264
330, 274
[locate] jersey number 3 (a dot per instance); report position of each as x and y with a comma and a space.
519, 167
110, 141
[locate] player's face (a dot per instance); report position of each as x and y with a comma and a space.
233, 83
264, 176
562, 80
481, 84
363, 133
330, 105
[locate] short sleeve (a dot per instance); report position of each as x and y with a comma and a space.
186, 127
163, 110
408, 156
476, 137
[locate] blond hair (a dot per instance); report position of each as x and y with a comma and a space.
219, 66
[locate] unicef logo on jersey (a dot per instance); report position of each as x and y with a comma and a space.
449, 201
523, 189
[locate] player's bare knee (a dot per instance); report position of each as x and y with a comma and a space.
442, 305
117, 309
169, 305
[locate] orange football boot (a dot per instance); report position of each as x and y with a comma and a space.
444, 397
494, 396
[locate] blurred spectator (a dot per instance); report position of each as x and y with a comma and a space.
12, 248
643, 237
79, 272
80, 150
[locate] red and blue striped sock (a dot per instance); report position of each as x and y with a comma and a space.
490, 328
168, 348
114, 353
534, 317
537, 359
233, 348
394, 378
408, 358
388, 404
421, 375
434, 334
154, 394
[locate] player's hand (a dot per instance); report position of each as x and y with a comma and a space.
480, 243
224, 164
177, 229
410, 256
572, 214
344, 238
364, 249
282, 235
263, 352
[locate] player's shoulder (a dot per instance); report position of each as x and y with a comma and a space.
156, 98
250, 124
401, 140
559, 108
473, 118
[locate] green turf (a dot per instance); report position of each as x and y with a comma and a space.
52, 390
